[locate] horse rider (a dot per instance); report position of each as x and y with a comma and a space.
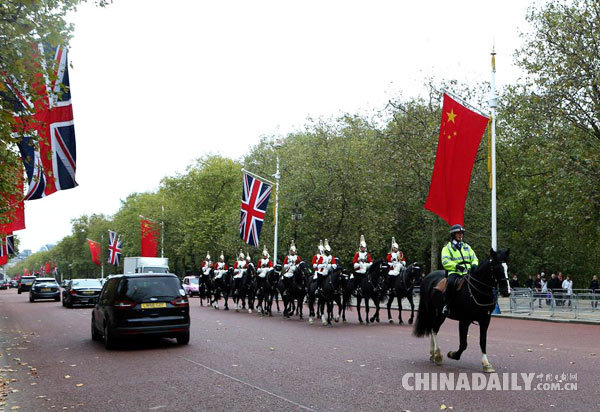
240, 266
458, 259
290, 262
220, 267
206, 264
264, 264
362, 259
317, 257
396, 262
326, 262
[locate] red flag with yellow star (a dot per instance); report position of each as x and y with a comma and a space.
460, 134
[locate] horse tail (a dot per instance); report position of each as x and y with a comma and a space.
424, 323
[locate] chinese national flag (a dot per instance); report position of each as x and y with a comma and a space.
460, 134
95, 251
150, 232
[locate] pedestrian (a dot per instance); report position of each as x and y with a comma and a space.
594, 290
514, 283
545, 289
554, 288
537, 287
529, 282
567, 286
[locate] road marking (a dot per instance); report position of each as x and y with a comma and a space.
248, 384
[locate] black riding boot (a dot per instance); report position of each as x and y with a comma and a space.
452, 279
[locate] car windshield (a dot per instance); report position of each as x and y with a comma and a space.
151, 269
144, 288
42, 280
194, 281
86, 283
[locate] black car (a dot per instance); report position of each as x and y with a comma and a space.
44, 288
81, 291
3, 284
13, 284
141, 304
25, 284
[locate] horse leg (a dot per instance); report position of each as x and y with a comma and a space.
358, 299
483, 327
277, 301
338, 300
435, 351
389, 306
412, 308
311, 308
367, 310
463, 329
322, 311
301, 306
400, 321
377, 304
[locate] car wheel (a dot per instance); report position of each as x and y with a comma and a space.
95, 335
19, 291
109, 341
69, 303
184, 338
57, 299
31, 299
63, 301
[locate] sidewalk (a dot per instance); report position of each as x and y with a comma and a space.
545, 315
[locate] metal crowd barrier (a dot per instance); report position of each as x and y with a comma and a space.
581, 304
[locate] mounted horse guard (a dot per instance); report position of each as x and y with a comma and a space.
204, 287
289, 265
396, 262
362, 261
219, 268
325, 263
458, 259
239, 269
264, 264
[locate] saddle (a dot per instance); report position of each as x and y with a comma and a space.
443, 284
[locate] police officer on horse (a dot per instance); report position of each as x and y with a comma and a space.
458, 259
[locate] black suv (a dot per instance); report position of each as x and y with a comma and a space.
81, 291
44, 288
141, 304
25, 283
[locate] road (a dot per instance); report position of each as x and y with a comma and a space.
241, 361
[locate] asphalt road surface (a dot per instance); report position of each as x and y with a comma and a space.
241, 361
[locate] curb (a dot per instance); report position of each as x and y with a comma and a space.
579, 321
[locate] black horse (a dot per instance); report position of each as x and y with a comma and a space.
269, 290
224, 286
474, 302
298, 289
330, 293
242, 286
402, 286
205, 286
370, 286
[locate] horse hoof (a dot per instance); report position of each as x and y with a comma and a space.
249, 310
400, 322
410, 321
361, 322
391, 320
310, 321
452, 355
337, 319
343, 320
438, 359
377, 320
488, 368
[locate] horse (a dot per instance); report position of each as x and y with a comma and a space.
330, 293
402, 286
369, 286
223, 285
241, 287
269, 290
205, 286
474, 302
284, 286
298, 288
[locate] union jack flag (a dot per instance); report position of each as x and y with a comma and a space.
114, 248
50, 164
255, 197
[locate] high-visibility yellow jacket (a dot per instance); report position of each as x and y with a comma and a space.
452, 256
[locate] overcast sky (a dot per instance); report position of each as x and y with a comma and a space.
157, 84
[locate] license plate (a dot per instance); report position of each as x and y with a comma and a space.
88, 292
154, 305
46, 289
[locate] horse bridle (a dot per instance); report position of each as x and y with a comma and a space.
470, 278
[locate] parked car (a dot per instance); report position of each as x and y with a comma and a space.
13, 284
81, 291
44, 288
191, 285
3, 284
141, 304
25, 284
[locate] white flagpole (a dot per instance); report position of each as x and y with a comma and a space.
276, 176
162, 233
493, 102
102, 260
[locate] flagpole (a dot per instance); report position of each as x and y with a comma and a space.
276, 176
493, 102
162, 233
102, 260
